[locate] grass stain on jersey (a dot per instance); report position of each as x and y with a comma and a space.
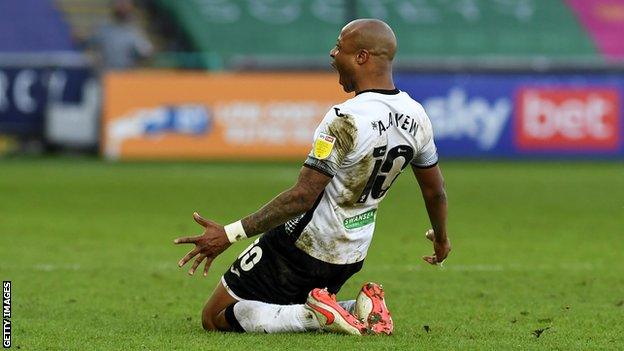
307, 244
355, 182
345, 131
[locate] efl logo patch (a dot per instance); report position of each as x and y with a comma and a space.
567, 119
323, 146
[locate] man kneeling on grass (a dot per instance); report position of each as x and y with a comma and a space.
317, 233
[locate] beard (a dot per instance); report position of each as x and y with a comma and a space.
345, 78
348, 85
348, 88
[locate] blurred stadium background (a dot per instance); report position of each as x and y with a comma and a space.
526, 98
246, 79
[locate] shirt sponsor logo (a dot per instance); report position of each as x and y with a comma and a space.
567, 119
360, 220
323, 146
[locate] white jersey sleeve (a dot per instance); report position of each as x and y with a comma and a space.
334, 140
427, 156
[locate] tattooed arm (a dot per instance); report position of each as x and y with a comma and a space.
289, 204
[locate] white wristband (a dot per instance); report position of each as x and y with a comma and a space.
235, 231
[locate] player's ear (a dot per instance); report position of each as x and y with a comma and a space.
362, 56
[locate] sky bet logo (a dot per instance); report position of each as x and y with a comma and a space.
567, 119
6, 314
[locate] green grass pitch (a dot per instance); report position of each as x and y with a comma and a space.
536, 246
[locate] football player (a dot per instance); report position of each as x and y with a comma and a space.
317, 233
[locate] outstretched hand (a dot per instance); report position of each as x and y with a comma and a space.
441, 248
207, 246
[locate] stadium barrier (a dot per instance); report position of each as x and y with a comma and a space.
160, 114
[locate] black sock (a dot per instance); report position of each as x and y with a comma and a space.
231, 319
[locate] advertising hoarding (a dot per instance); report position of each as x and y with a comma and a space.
507, 116
198, 115
159, 114
29, 95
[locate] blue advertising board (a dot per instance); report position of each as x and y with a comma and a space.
515, 115
26, 93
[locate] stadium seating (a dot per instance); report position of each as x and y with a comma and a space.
426, 29
84, 16
32, 26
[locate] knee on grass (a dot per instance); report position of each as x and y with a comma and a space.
208, 320
214, 320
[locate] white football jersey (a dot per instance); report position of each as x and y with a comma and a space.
364, 144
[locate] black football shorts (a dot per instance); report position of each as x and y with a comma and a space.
273, 270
